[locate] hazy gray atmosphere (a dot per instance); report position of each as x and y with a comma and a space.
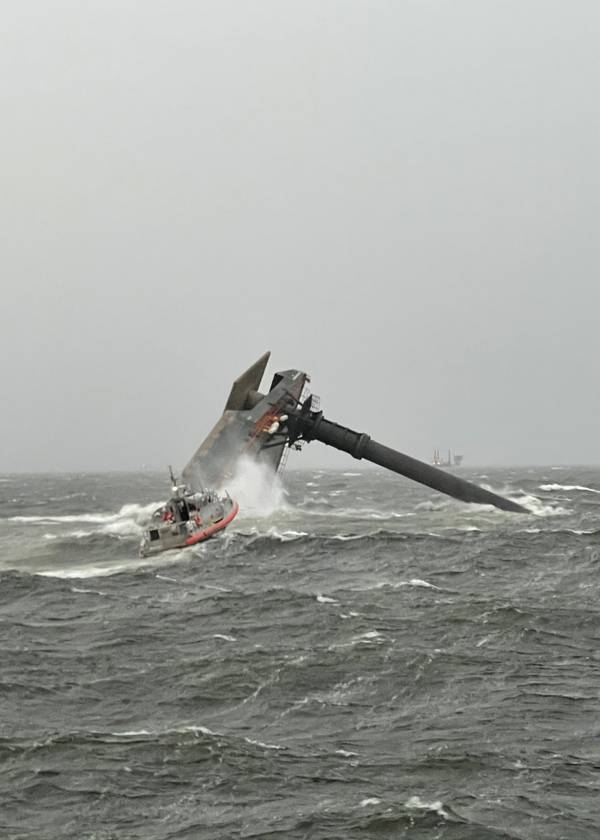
399, 197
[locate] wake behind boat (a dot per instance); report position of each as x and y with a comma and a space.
186, 519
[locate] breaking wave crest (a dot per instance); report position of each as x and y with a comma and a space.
129, 521
548, 488
540, 508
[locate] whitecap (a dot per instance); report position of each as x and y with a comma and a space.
385, 584
416, 803
433, 506
57, 520
81, 572
224, 637
131, 733
263, 745
133, 512
196, 730
368, 638
416, 582
175, 730
285, 536
538, 508
87, 572
371, 800
324, 599
423, 583
569, 487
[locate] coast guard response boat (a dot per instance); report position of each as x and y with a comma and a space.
187, 518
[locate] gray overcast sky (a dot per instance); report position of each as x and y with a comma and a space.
400, 197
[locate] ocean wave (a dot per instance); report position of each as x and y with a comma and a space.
83, 572
457, 507
415, 803
255, 540
297, 649
554, 532
144, 735
322, 507
417, 583
325, 599
532, 503
548, 488
370, 637
539, 508
253, 535
130, 520
255, 743
78, 736
111, 567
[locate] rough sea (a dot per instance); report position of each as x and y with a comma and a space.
356, 657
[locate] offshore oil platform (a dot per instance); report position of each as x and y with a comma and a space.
263, 426
453, 460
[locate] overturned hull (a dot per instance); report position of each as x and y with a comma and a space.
249, 426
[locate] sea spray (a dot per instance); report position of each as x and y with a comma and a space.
257, 489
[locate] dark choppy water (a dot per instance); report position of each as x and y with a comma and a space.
370, 661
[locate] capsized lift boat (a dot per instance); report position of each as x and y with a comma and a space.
187, 518
264, 426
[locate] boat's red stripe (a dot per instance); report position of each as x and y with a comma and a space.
218, 526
